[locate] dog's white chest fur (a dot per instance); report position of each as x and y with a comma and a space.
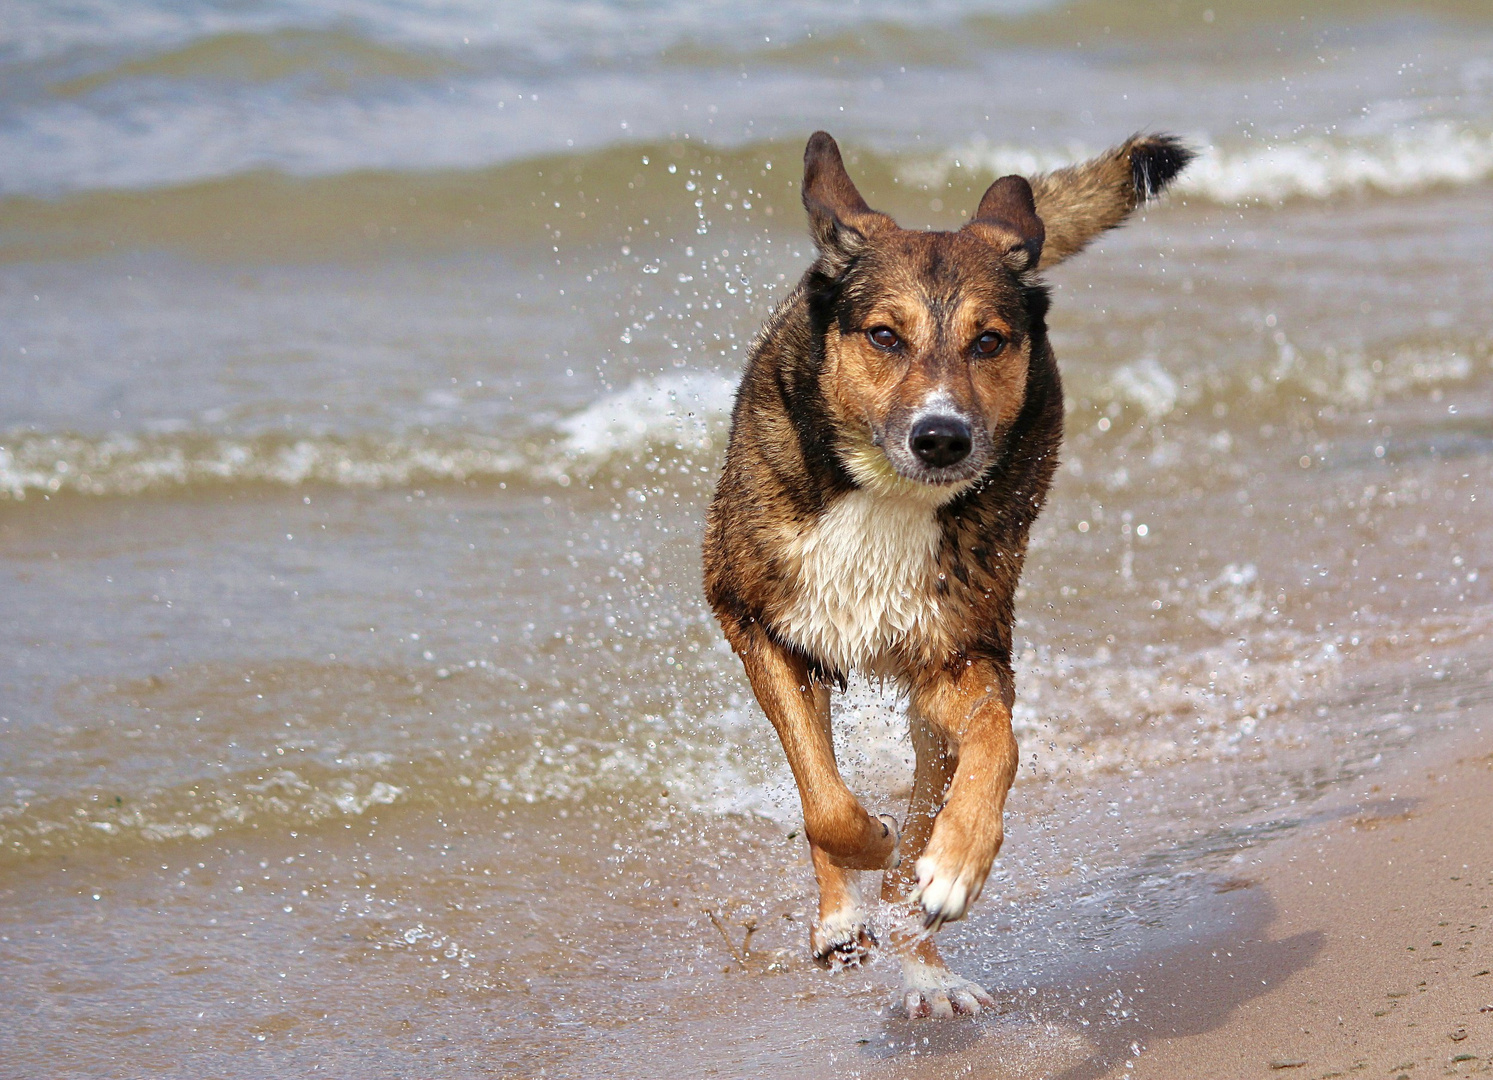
866, 580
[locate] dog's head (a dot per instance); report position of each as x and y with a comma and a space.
929, 336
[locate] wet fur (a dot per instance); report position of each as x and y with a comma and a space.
830, 548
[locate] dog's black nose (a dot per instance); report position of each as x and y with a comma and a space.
940, 441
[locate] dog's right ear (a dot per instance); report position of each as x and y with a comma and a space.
839, 219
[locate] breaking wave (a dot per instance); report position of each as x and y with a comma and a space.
670, 417
1310, 167
684, 409
1148, 388
675, 426
383, 206
671, 425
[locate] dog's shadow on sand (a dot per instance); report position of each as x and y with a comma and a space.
1194, 987
1174, 975
1160, 991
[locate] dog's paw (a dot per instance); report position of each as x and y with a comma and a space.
950, 877
932, 990
842, 940
943, 896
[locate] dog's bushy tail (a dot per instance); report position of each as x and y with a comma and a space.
1081, 201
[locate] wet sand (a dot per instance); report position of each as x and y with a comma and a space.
1356, 943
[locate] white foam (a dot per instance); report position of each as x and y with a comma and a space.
123, 464
188, 811
982, 156
1353, 379
686, 412
686, 409
1147, 384
1406, 160
1346, 377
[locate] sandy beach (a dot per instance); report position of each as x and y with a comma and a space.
1367, 946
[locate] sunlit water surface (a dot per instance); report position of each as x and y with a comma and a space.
366, 373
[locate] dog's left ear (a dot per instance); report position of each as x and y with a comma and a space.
1007, 218
839, 219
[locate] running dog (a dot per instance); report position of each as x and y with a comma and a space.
893, 439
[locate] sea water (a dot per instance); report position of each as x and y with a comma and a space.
366, 372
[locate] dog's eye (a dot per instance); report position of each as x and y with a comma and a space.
989, 343
883, 337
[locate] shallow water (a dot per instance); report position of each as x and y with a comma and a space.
366, 374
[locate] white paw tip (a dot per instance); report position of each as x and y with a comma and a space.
965, 1003
943, 898
934, 894
932, 990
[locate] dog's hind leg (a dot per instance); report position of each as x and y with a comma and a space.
933, 771
834, 820
929, 988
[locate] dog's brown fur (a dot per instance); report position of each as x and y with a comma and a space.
831, 544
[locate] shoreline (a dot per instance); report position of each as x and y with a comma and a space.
1360, 944
1377, 956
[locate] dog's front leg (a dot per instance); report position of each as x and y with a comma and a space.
834, 820
929, 988
972, 710
840, 936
